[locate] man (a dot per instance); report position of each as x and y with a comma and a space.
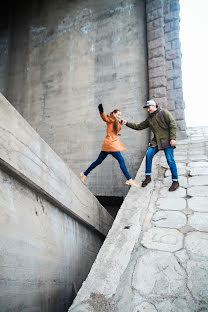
164, 127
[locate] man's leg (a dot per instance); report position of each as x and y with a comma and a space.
149, 156
173, 168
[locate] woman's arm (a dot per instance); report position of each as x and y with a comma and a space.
102, 114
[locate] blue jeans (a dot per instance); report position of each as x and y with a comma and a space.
102, 156
170, 160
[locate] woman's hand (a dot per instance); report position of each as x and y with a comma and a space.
100, 107
124, 122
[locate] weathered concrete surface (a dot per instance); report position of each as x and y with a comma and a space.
24, 152
51, 226
164, 265
76, 55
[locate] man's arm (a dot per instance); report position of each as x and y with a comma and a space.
172, 124
142, 125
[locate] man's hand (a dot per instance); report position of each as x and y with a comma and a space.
124, 122
172, 142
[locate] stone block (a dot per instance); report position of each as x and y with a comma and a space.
172, 35
199, 221
169, 219
198, 280
177, 63
157, 23
170, 85
170, 26
154, 34
145, 307
177, 83
179, 104
156, 52
155, 14
163, 239
172, 16
157, 72
199, 171
156, 43
156, 62
157, 92
179, 114
181, 125
154, 5
168, 46
171, 204
174, 5
173, 54
198, 164
162, 102
198, 191
157, 82
196, 244
182, 180
174, 73
158, 273
180, 192
198, 180
198, 203
169, 65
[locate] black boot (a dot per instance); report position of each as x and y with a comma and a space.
174, 186
146, 181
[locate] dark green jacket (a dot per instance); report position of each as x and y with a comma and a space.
162, 125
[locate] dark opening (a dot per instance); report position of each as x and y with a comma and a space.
111, 204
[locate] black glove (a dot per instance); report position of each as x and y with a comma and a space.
100, 107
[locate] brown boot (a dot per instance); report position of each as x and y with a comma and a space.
174, 186
146, 181
131, 183
83, 177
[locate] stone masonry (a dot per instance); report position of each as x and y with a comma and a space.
156, 251
164, 57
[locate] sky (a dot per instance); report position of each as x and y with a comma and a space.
194, 46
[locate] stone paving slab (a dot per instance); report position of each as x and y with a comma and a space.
169, 219
198, 204
180, 192
198, 180
171, 204
198, 191
199, 221
199, 164
183, 181
198, 171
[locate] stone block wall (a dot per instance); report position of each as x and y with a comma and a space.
164, 57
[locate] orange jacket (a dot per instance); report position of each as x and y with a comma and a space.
112, 142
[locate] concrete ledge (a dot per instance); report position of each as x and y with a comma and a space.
26, 155
116, 252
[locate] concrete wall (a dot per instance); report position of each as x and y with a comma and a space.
66, 57
51, 226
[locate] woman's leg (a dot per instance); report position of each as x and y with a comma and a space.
98, 161
122, 164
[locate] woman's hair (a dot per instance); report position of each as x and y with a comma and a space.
115, 123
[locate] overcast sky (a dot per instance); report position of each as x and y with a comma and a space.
194, 44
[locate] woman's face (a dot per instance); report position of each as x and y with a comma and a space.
117, 115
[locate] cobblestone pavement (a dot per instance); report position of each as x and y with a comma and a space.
169, 268
166, 268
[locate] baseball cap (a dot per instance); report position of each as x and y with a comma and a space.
149, 103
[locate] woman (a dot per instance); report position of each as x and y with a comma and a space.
111, 145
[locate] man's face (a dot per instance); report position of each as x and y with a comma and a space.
151, 109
